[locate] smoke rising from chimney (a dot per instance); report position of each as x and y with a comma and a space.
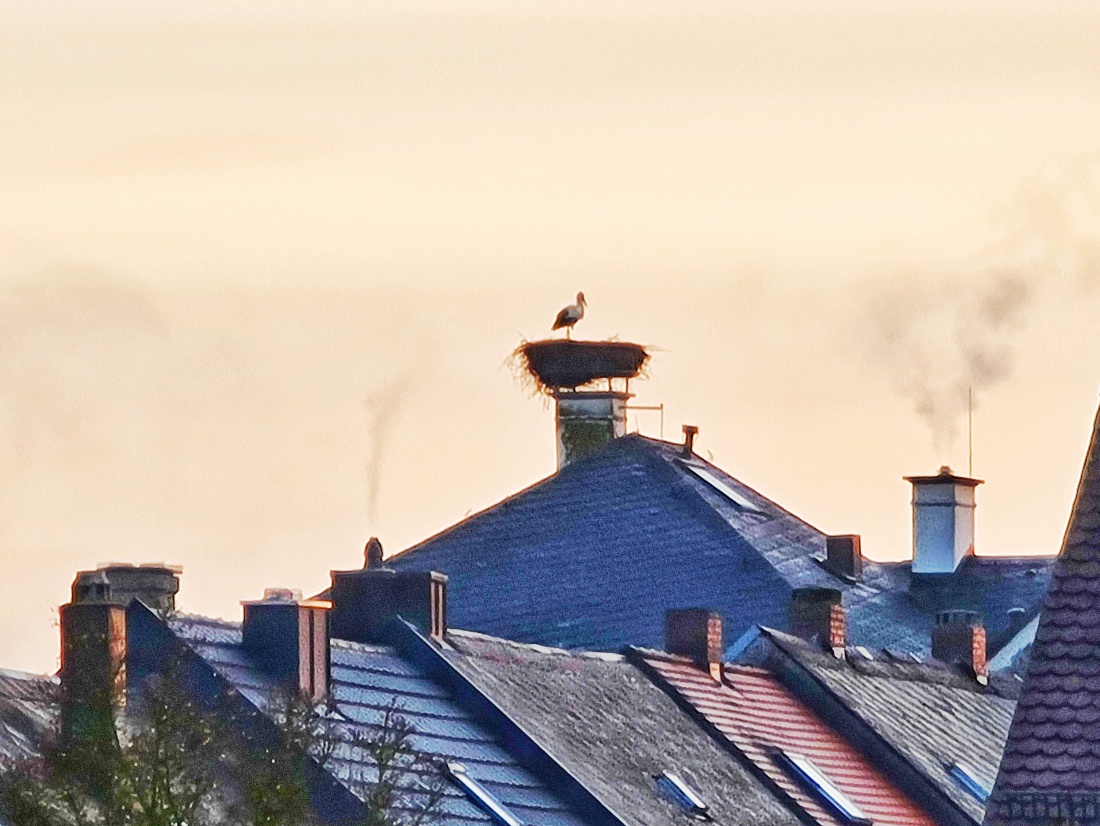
941, 338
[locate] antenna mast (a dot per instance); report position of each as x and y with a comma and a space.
970, 431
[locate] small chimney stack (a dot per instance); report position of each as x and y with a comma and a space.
363, 600
288, 638
817, 615
959, 639
690, 432
943, 521
843, 557
696, 633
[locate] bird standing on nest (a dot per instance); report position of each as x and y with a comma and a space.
570, 315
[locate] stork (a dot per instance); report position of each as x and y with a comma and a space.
570, 315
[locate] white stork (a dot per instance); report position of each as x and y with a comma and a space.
570, 315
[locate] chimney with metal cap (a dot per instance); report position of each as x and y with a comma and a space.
843, 557
154, 584
363, 600
817, 615
690, 432
943, 521
959, 639
696, 633
288, 639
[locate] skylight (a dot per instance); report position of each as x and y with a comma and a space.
804, 769
722, 488
683, 795
968, 779
481, 796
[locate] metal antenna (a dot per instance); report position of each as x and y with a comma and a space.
970, 431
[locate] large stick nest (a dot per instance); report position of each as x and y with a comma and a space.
566, 364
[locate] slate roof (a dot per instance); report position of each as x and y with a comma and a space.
1051, 765
930, 714
614, 730
365, 678
28, 707
594, 555
758, 716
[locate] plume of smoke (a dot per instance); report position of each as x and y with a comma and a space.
383, 404
941, 339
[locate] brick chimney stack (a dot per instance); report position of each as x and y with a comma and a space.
696, 633
817, 615
959, 639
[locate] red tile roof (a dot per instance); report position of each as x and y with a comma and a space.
758, 715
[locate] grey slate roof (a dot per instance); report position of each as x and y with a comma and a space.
364, 680
28, 708
594, 555
614, 730
929, 713
1051, 765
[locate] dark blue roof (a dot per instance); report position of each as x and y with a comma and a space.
593, 556
365, 680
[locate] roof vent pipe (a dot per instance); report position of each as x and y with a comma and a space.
696, 633
690, 432
943, 521
959, 639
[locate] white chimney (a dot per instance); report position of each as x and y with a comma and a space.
943, 521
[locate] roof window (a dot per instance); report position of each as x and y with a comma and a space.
968, 779
724, 489
682, 795
804, 769
456, 772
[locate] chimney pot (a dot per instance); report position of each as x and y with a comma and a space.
696, 633
372, 554
817, 615
690, 432
843, 556
959, 639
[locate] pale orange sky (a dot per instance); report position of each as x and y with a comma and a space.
249, 253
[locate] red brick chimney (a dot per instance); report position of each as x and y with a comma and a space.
288, 637
959, 639
696, 633
817, 615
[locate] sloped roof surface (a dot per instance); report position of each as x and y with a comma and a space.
365, 679
614, 730
1051, 765
930, 713
758, 715
28, 708
594, 555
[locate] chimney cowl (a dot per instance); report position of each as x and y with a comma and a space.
155, 585
843, 556
959, 639
817, 615
372, 553
696, 633
943, 521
